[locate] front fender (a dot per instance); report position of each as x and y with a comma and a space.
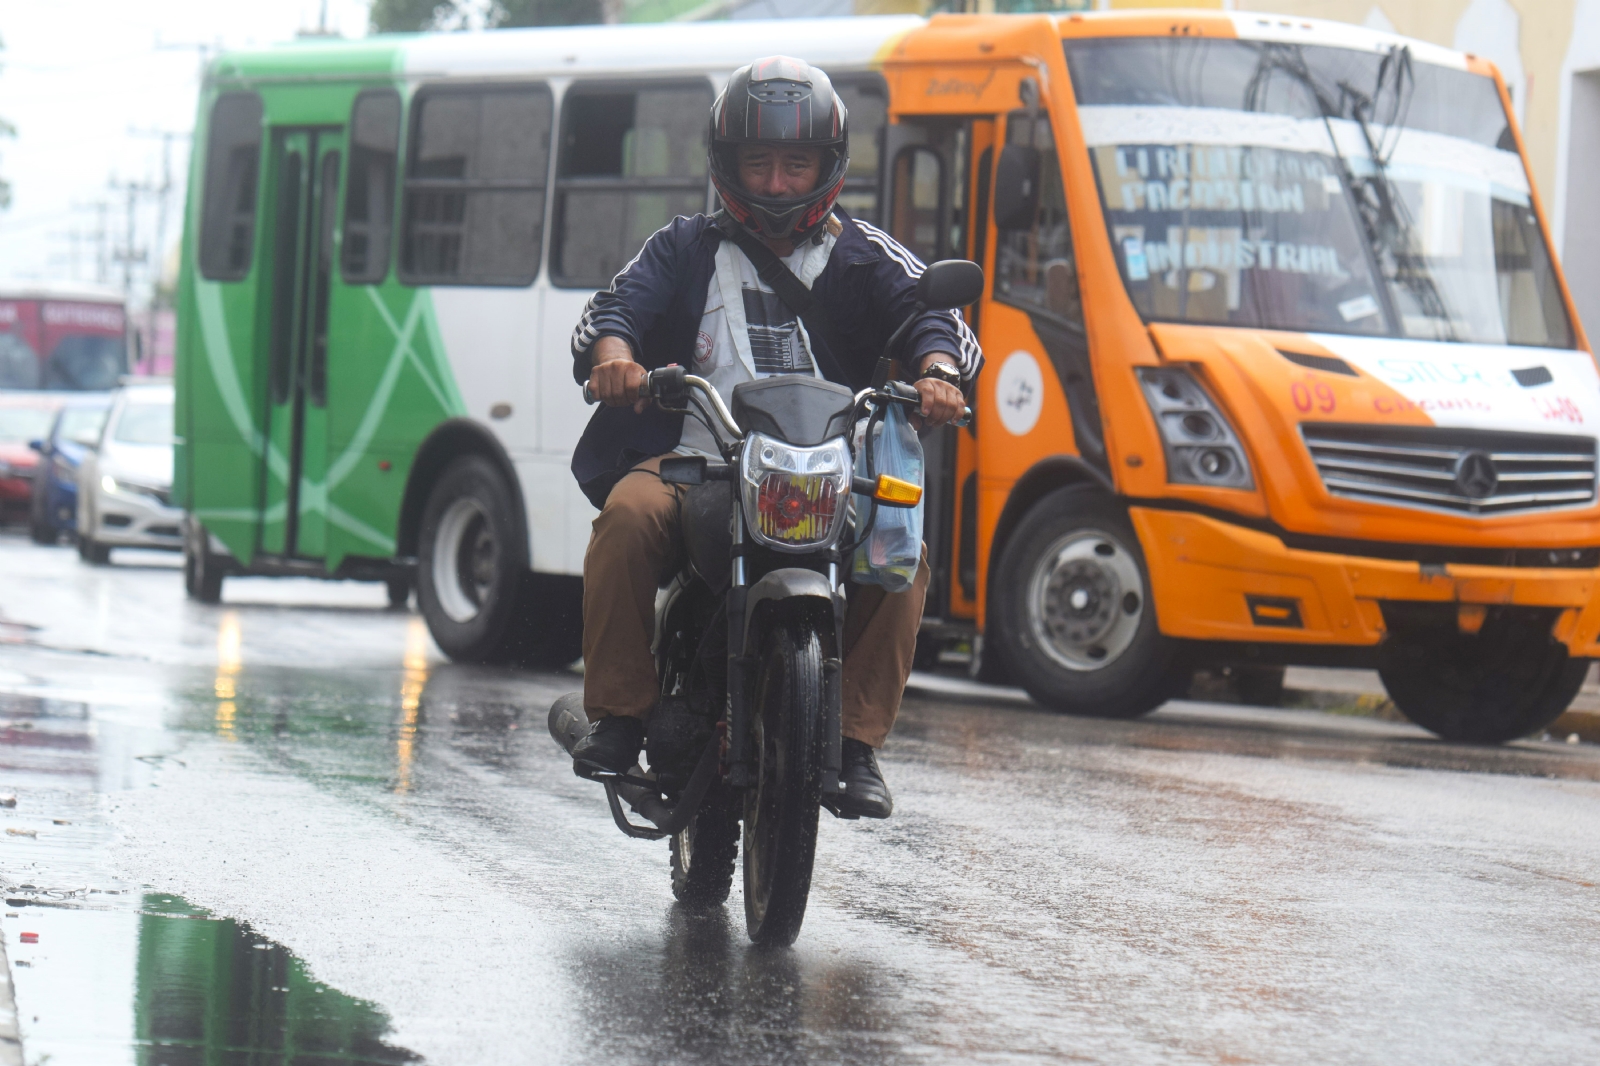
787, 584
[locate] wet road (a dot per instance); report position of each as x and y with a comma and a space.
285, 830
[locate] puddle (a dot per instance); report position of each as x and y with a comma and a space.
153, 981
106, 973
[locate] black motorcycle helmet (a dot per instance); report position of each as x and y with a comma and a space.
781, 102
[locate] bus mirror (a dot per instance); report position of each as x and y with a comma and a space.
950, 283
1016, 187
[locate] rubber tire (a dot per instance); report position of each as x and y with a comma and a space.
202, 570
1260, 686
703, 854
40, 529
93, 552
399, 592
1145, 675
1504, 683
780, 813
547, 625
487, 636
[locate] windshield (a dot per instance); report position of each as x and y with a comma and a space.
81, 424
145, 423
86, 361
1296, 187
24, 423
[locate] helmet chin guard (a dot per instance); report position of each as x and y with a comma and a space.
782, 103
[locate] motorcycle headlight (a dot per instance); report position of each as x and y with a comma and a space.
1201, 447
795, 498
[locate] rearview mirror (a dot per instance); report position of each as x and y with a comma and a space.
950, 283
1016, 187
37, 445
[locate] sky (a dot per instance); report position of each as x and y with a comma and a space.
83, 82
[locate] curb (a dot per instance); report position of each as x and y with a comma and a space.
10, 1037
1356, 693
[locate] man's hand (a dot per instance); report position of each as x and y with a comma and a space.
942, 402
616, 378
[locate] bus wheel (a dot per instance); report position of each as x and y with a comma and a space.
202, 570
1505, 682
468, 569
1071, 611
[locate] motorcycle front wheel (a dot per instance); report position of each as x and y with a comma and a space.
780, 813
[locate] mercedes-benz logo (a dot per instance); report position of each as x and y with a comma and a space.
1476, 476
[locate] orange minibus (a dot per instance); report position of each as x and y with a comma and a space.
1281, 366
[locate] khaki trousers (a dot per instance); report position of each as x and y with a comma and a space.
635, 540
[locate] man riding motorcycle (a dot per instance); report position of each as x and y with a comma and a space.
778, 153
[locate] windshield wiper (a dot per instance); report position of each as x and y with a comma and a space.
1384, 217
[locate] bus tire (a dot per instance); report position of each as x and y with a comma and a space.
469, 570
1505, 682
92, 551
1071, 612
203, 570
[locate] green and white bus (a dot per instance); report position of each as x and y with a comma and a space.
387, 244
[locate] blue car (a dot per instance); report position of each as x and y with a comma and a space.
75, 431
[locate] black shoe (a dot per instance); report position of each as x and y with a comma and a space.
612, 746
863, 793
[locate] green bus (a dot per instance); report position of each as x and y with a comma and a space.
387, 244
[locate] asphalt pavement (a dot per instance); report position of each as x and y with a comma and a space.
284, 829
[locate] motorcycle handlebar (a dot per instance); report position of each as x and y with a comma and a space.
674, 380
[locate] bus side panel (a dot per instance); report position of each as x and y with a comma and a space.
389, 384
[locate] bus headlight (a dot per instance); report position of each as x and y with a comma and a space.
1201, 447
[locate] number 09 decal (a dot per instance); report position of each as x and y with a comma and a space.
1318, 396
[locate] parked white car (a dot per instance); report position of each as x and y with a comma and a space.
125, 484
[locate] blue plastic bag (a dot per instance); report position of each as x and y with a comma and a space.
892, 551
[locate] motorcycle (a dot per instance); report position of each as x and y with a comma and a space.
749, 631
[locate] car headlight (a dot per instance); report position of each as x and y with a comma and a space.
795, 498
1201, 447
132, 488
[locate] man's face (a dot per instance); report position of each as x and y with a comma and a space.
779, 172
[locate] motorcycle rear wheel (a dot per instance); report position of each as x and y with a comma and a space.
703, 854
780, 813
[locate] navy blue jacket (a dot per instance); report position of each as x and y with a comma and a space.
656, 303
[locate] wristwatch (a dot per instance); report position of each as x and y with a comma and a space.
942, 371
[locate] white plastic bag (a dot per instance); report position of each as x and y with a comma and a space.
893, 549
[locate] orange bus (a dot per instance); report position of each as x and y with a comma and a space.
1281, 366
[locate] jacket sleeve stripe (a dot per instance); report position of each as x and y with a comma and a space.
970, 357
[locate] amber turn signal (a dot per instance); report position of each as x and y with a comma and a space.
892, 490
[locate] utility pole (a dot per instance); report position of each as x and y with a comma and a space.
128, 255
163, 200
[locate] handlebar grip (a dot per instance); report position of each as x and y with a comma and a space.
591, 399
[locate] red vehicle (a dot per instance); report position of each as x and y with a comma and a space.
62, 337
24, 418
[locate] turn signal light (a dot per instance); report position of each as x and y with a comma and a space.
892, 490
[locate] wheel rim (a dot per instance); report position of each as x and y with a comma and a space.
1085, 600
466, 560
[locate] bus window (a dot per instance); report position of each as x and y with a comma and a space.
228, 211
369, 196
918, 180
19, 363
868, 107
474, 186
631, 160
1034, 265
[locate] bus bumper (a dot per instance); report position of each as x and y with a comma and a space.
1212, 580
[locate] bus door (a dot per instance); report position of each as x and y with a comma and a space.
937, 181
304, 184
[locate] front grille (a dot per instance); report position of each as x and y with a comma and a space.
1465, 471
